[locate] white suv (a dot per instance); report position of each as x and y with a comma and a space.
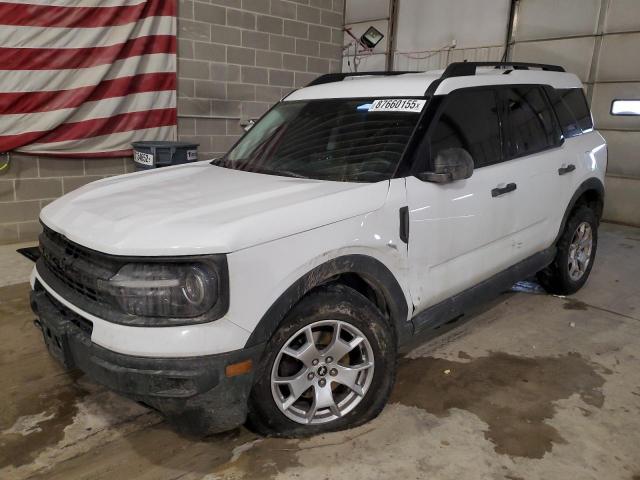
279, 282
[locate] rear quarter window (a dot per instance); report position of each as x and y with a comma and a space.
573, 111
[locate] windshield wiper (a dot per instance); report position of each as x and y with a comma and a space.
242, 164
222, 162
281, 173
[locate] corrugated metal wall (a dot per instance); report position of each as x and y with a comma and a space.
427, 31
599, 40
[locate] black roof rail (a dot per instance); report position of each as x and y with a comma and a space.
463, 69
338, 77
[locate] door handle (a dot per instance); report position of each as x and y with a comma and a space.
569, 168
509, 187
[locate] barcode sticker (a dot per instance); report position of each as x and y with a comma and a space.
143, 158
398, 105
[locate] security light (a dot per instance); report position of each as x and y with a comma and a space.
371, 37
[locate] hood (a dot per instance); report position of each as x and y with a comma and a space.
199, 208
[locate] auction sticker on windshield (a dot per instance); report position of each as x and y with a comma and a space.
398, 105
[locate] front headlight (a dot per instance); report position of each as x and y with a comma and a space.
173, 290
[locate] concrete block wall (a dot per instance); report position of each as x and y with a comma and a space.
238, 57
29, 183
235, 59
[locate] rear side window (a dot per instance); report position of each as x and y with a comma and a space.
531, 125
573, 111
469, 120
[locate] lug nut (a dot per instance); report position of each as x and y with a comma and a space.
315, 362
329, 359
322, 382
310, 376
333, 372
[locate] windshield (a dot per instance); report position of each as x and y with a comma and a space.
339, 140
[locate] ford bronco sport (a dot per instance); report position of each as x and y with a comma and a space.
279, 282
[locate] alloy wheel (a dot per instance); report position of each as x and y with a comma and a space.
322, 372
580, 251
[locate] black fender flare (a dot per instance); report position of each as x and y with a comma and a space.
589, 184
370, 269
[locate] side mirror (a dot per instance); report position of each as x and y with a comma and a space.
449, 165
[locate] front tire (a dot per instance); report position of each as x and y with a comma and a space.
576, 253
330, 366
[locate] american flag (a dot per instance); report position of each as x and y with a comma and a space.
85, 78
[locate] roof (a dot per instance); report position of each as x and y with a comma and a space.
405, 85
416, 84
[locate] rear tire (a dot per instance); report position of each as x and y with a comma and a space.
280, 407
576, 252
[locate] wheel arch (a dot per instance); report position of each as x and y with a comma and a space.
591, 193
363, 273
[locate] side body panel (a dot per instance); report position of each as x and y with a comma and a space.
539, 200
265, 272
588, 152
460, 234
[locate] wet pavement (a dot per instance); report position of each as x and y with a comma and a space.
530, 386
513, 395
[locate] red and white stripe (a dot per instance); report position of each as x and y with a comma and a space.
86, 77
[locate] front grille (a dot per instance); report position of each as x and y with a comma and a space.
78, 268
71, 278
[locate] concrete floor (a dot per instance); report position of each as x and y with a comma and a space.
14, 268
533, 386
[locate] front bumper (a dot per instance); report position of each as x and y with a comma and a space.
195, 393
